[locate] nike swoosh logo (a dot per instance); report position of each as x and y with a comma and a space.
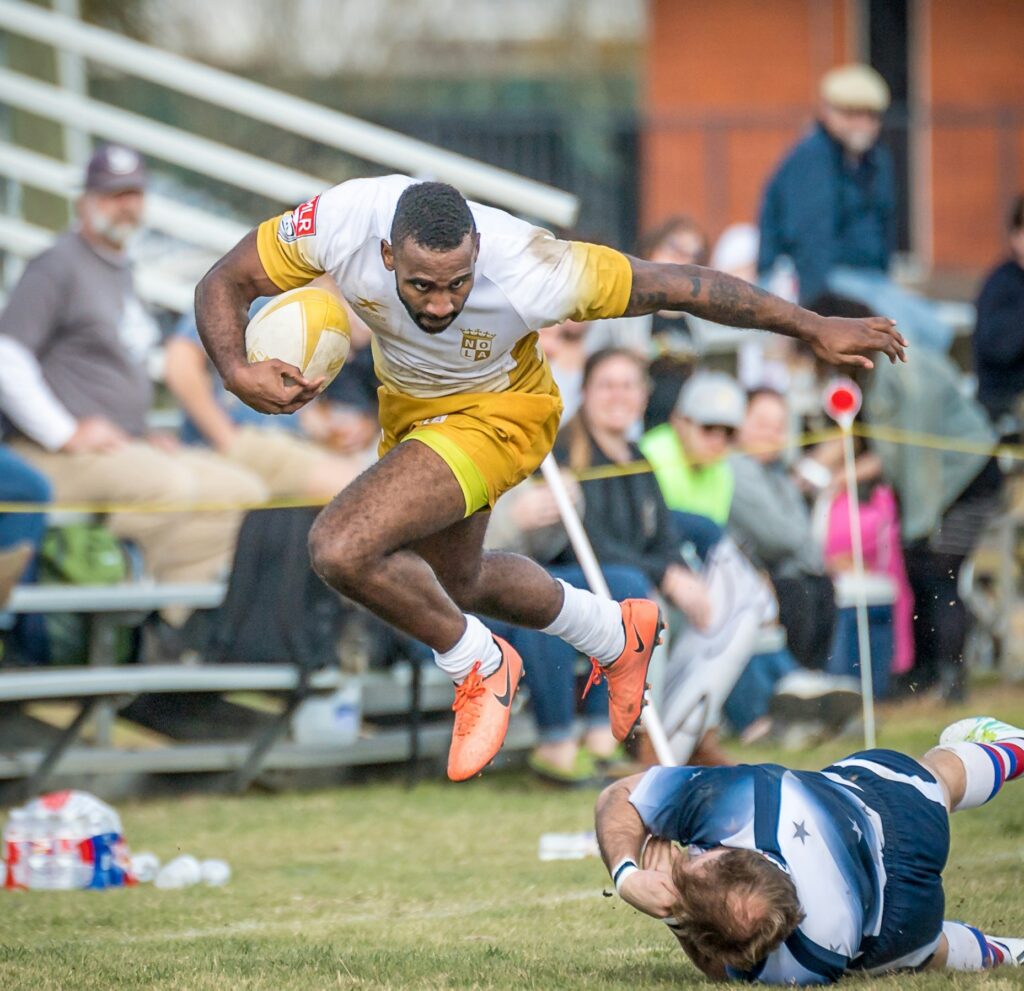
640, 646
507, 697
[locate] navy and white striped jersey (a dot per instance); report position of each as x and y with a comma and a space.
811, 824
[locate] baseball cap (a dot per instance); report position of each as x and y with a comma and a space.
113, 169
712, 399
855, 87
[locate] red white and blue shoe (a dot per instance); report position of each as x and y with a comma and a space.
1009, 948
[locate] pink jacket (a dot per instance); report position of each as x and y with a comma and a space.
880, 532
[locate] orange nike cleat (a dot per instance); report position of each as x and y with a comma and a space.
482, 708
627, 674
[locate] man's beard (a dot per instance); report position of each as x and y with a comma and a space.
415, 317
119, 233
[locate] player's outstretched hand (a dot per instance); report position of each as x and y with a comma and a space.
849, 342
650, 891
273, 386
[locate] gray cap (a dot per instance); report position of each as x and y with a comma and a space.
712, 399
114, 169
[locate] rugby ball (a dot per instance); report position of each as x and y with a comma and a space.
306, 327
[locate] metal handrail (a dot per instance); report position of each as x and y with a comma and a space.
25, 240
197, 227
210, 158
258, 102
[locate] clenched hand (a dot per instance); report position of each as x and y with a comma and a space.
273, 386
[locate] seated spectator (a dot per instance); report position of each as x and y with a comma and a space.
999, 333
632, 535
314, 454
688, 455
24, 641
676, 241
564, 347
946, 496
73, 342
891, 632
830, 208
770, 520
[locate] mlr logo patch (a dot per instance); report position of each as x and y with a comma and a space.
304, 217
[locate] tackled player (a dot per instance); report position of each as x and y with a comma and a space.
454, 293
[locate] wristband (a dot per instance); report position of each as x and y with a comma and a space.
623, 869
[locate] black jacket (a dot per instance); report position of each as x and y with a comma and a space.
625, 517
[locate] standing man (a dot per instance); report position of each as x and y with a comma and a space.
454, 293
831, 208
74, 339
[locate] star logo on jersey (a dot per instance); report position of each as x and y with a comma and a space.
857, 830
801, 834
476, 344
368, 305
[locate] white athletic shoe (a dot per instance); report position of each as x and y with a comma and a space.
1013, 948
978, 729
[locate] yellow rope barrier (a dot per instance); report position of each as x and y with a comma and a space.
891, 435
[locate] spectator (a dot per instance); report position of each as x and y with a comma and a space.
670, 335
688, 455
770, 520
73, 343
676, 241
830, 207
999, 333
315, 453
946, 496
632, 535
564, 347
20, 537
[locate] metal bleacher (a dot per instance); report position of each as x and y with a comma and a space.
211, 730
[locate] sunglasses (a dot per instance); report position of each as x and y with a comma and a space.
714, 428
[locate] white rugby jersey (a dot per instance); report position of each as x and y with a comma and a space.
810, 824
525, 279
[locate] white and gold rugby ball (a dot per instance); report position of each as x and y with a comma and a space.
306, 327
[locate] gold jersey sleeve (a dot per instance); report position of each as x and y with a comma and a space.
281, 254
605, 281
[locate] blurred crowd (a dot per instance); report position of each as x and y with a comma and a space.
700, 476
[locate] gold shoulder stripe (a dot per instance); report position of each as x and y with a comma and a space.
282, 261
605, 283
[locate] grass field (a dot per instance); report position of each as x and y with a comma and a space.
439, 887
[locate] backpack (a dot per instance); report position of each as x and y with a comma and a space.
276, 609
82, 554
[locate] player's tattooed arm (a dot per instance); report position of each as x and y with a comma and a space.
724, 299
222, 312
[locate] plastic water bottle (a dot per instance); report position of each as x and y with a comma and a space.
38, 859
16, 850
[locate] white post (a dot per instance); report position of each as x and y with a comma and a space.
595, 579
867, 687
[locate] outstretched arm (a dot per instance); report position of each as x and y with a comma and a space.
222, 306
727, 300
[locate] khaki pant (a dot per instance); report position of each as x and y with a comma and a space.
292, 467
176, 547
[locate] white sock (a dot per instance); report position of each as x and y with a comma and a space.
987, 767
476, 644
590, 623
969, 948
